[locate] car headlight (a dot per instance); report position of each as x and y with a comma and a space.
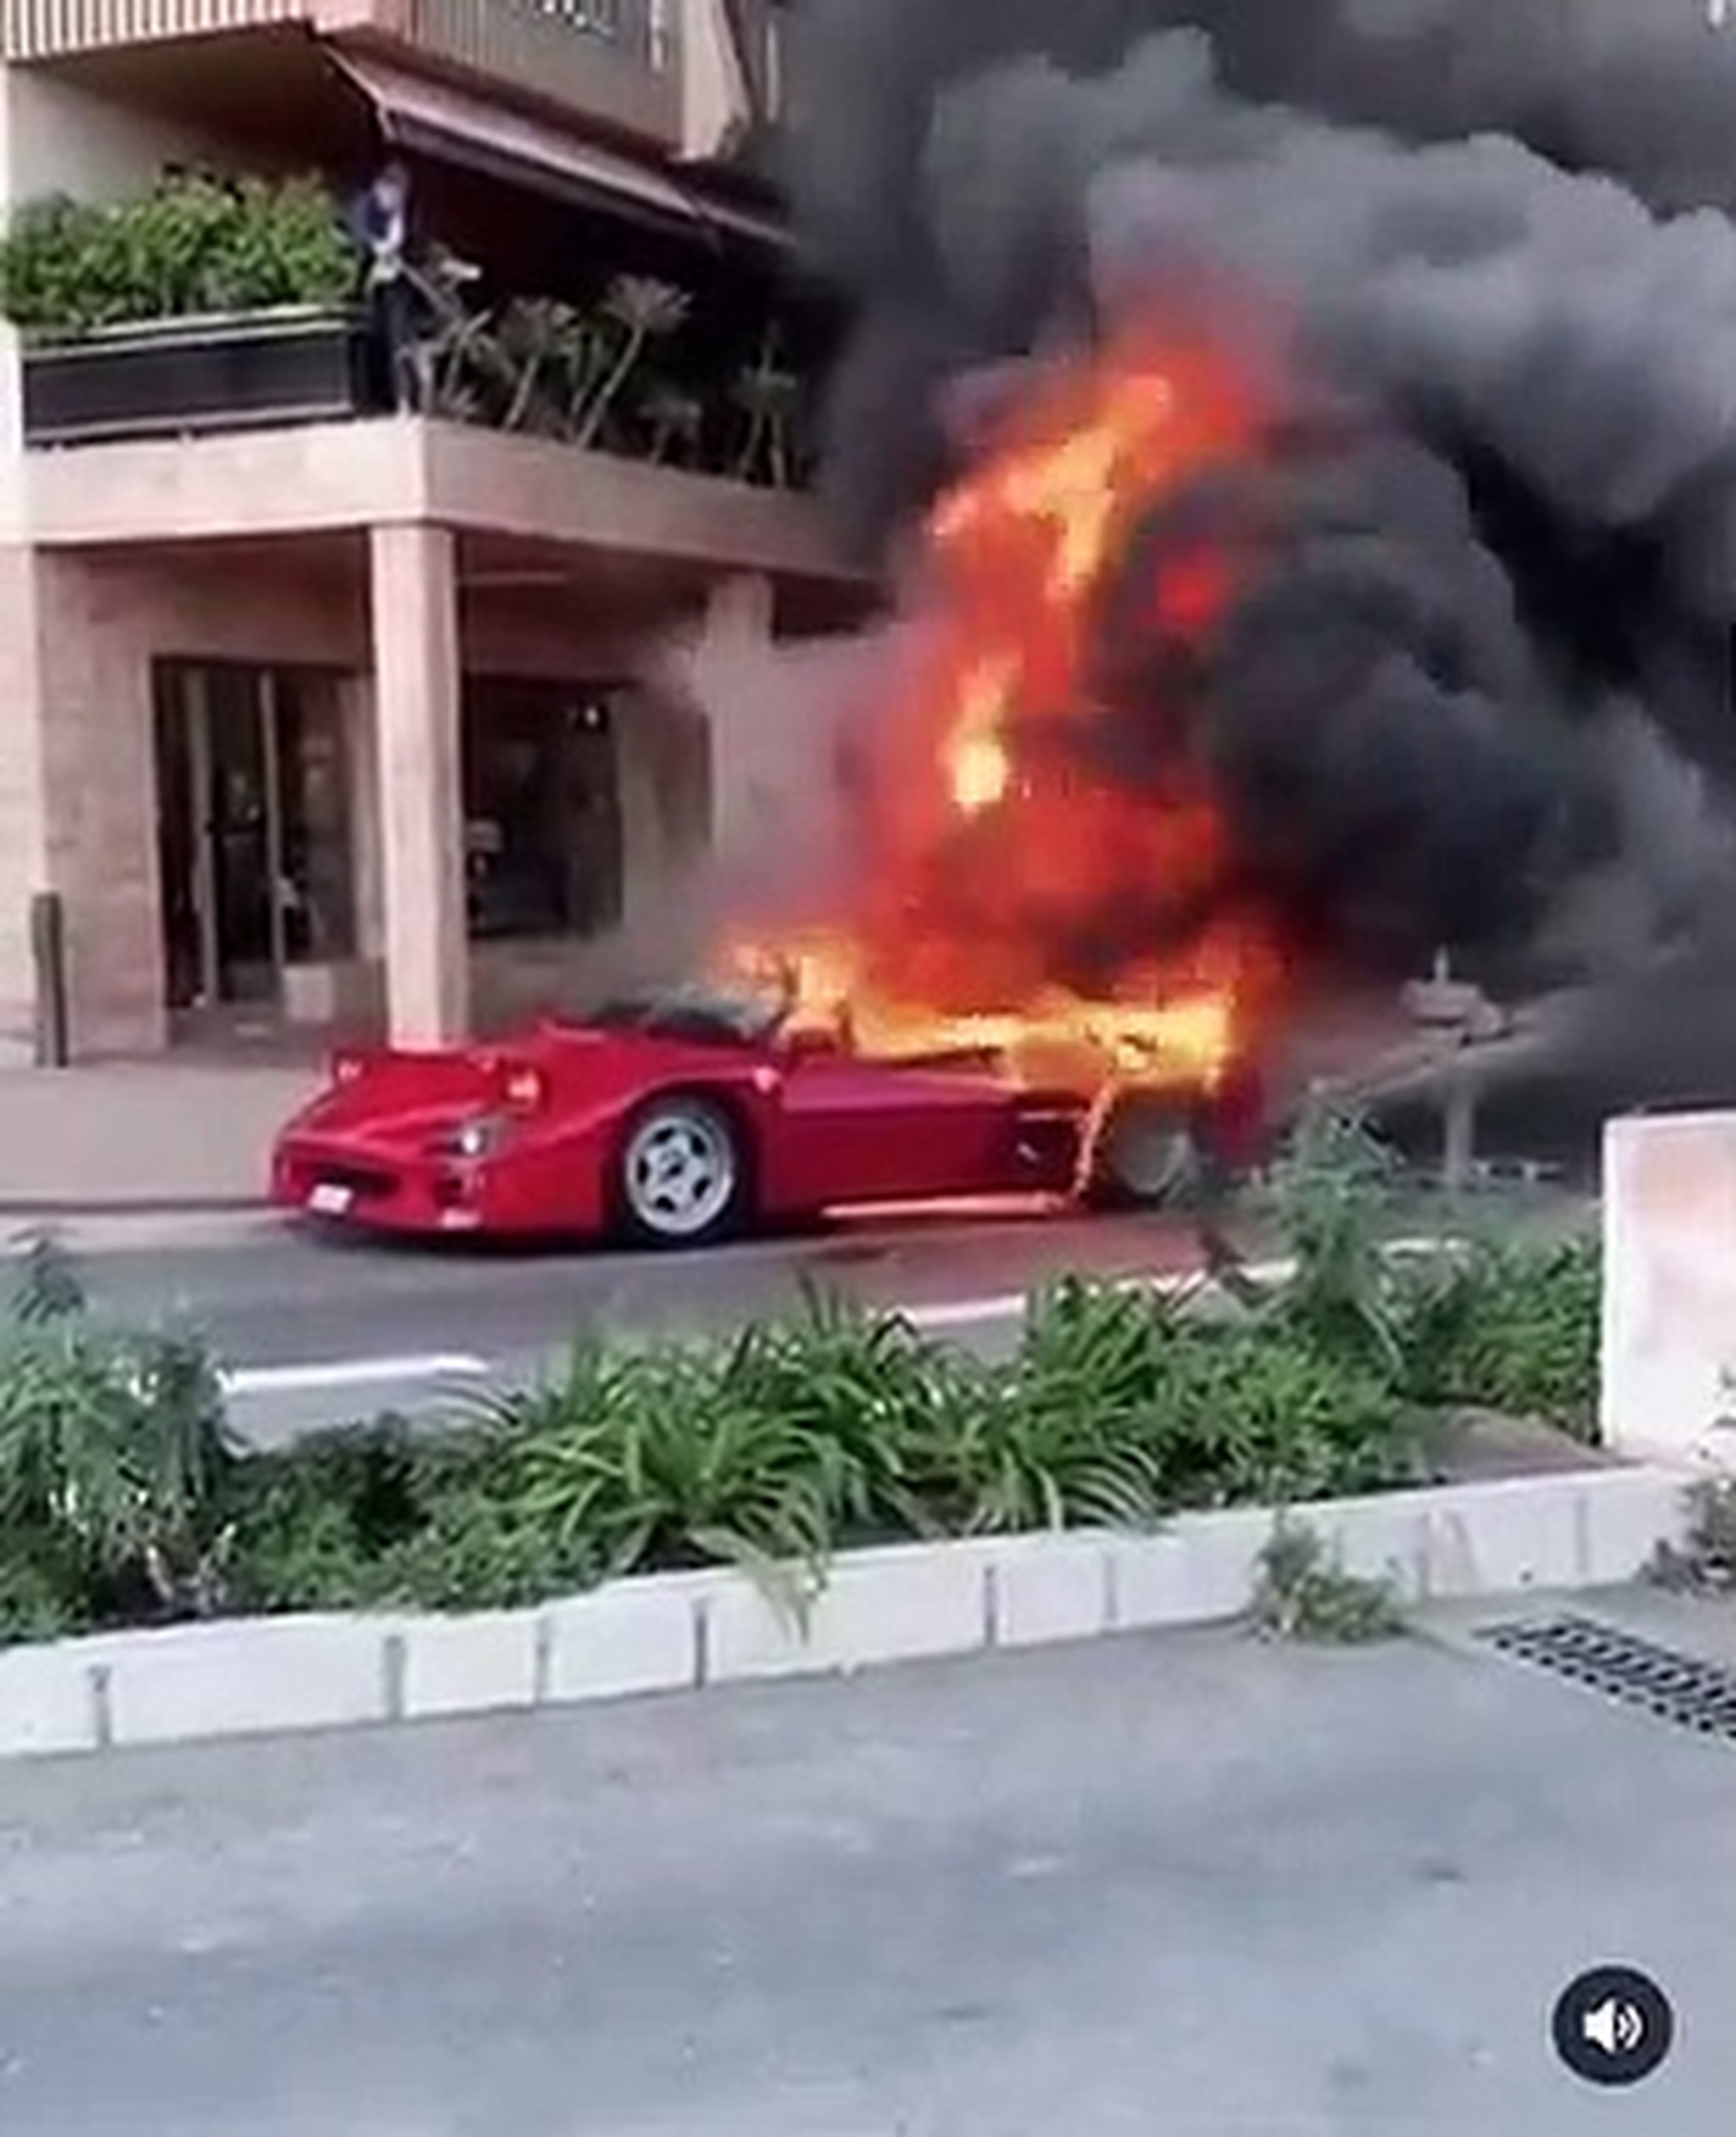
479, 1137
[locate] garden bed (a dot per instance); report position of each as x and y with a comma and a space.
124, 1501
1345, 1575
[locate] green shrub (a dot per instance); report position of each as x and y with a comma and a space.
38, 1598
865, 1382
117, 1475
48, 1287
193, 244
1001, 1451
1046, 1440
377, 1518
1258, 1414
1303, 1596
1331, 1195
837, 1427
667, 1458
320, 1517
1514, 1328
1112, 1343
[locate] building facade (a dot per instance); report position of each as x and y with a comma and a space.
318, 712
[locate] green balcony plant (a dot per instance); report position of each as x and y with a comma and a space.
194, 245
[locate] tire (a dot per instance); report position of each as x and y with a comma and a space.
682, 1175
1149, 1157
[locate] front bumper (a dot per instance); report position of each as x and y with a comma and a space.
342, 1181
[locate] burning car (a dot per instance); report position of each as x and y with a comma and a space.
677, 1117
1037, 977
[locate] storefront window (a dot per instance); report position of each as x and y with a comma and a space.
543, 837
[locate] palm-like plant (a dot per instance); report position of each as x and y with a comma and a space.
455, 342
675, 418
640, 310
770, 397
551, 352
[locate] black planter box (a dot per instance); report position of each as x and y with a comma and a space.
169, 378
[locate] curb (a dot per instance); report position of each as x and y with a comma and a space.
27, 1209
667, 1633
87, 1230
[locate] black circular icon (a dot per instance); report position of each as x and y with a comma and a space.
1613, 2026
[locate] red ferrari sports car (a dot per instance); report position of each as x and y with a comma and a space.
677, 1118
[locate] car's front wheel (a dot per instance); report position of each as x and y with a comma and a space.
683, 1173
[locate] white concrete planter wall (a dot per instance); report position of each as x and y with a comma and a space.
682, 1632
1669, 1342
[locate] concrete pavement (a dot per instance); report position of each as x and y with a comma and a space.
141, 1139
1183, 1883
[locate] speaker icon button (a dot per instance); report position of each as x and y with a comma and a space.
1613, 2026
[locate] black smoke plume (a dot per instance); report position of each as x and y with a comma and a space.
1478, 673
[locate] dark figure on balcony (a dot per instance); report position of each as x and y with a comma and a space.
379, 219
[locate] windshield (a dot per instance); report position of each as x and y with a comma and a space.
721, 1015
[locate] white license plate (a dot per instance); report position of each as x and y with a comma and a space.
329, 1200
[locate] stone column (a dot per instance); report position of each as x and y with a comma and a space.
735, 680
23, 802
78, 799
417, 693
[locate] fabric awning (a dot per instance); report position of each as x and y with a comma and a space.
430, 119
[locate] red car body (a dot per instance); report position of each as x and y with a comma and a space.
530, 1138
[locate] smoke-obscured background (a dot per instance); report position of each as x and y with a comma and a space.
1478, 687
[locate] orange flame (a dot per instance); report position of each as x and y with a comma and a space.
988, 850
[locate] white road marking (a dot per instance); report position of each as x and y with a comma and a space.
267, 1381
353, 1373
1012, 1305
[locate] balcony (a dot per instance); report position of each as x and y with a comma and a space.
221, 383
692, 80
615, 63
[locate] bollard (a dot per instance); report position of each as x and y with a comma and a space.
48, 956
1458, 1130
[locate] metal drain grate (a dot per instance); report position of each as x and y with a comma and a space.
1684, 1689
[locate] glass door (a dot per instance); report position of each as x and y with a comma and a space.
253, 829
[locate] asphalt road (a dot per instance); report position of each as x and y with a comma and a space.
317, 1331
1185, 1884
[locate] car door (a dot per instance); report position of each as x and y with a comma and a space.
849, 1130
